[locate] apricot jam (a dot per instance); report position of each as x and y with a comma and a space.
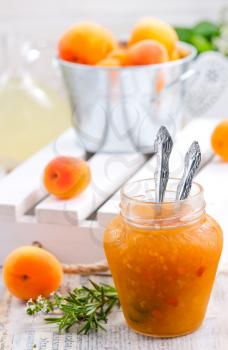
163, 258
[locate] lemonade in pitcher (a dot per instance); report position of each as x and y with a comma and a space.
31, 113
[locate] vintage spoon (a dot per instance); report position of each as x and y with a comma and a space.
191, 164
163, 146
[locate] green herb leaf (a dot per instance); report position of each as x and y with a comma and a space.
88, 307
201, 43
184, 33
206, 29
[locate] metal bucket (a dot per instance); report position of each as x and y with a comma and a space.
121, 109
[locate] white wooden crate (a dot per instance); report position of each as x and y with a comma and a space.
66, 227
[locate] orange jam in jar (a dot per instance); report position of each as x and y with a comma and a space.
163, 258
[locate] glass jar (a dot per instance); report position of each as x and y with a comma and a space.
163, 258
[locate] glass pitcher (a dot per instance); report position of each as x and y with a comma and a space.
32, 112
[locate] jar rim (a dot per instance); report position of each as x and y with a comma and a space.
140, 208
196, 185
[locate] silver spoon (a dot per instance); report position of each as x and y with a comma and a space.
163, 146
191, 164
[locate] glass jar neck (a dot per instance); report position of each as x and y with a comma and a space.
139, 208
14, 50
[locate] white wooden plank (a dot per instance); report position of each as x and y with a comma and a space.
109, 172
22, 188
2, 172
198, 129
214, 178
68, 243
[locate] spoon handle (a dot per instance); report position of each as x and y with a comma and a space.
191, 164
163, 146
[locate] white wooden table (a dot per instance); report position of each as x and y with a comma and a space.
22, 332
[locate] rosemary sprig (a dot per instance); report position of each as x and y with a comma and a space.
88, 307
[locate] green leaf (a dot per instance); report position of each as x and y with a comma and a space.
95, 285
53, 319
206, 29
183, 33
201, 43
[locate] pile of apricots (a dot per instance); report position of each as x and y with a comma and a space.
152, 41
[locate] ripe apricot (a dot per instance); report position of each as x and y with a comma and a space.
178, 53
109, 62
121, 55
86, 43
154, 29
31, 271
147, 52
219, 140
175, 55
183, 52
66, 177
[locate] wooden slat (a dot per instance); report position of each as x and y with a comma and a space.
69, 244
214, 178
22, 188
199, 129
109, 172
2, 173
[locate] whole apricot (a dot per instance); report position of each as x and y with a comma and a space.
120, 54
219, 140
86, 43
155, 29
175, 55
178, 53
109, 62
182, 51
147, 52
66, 177
31, 271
